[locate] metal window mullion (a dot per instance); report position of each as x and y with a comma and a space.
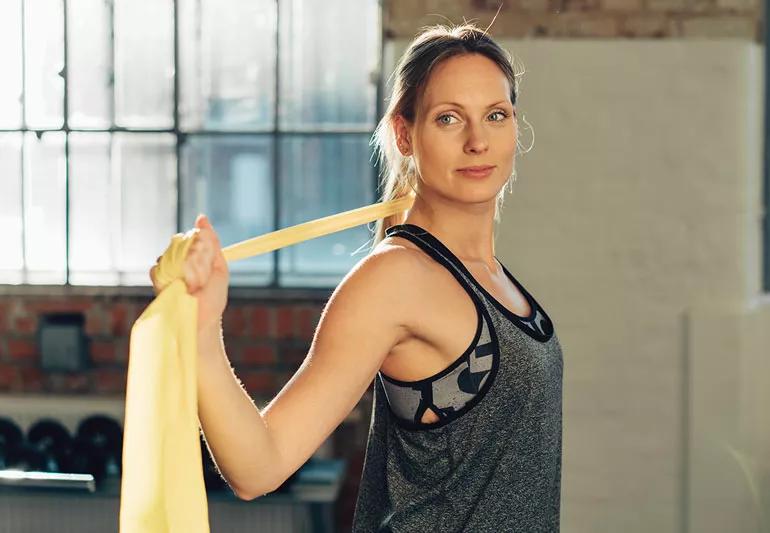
274, 283
25, 270
212, 133
178, 136
65, 75
116, 177
114, 235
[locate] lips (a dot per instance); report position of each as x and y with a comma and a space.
477, 168
477, 171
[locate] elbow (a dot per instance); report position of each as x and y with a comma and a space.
253, 485
249, 493
245, 496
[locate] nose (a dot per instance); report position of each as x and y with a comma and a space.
476, 143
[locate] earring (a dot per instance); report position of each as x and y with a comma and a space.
511, 180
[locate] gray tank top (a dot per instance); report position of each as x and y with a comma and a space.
492, 462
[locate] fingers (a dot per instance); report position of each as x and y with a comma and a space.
196, 274
204, 253
207, 230
198, 264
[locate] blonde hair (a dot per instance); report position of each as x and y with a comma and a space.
398, 175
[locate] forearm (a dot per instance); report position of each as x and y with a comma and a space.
233, 426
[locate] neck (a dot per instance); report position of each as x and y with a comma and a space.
466, 229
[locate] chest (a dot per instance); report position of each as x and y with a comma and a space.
444, 322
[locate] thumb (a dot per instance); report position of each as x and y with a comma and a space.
202, 221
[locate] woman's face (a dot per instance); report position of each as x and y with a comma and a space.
464, 119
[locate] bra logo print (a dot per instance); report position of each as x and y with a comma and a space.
539, 324
476, 370
453, 391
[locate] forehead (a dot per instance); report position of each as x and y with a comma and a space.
471, 79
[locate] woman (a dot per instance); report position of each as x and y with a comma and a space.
466, 422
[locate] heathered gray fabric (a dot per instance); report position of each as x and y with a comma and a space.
494, 468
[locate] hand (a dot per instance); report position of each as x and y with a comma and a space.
206, 275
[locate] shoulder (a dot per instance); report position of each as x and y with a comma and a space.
384, 281
397, 262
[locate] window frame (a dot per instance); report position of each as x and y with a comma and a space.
271, 291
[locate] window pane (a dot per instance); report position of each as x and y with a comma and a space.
92, 204
44, 207
230, 179
322, 175
44, 48
144, 63
89, 35
11, 261
10, 64
328, 76
227, 71
146, 168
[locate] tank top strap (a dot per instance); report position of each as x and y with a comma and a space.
436, 249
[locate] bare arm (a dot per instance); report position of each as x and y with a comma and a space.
363, 320
231, 423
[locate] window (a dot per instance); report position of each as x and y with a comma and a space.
256, 112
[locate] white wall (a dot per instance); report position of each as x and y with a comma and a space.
635, 221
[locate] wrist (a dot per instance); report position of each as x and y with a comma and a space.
211, 333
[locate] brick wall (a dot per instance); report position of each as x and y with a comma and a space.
266, 342
602, 19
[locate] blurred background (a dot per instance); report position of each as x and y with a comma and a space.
638, 220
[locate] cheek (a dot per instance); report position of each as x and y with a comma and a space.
437, 151
507, 143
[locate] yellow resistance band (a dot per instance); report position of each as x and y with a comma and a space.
162, 488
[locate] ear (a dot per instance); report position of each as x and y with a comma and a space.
403, 137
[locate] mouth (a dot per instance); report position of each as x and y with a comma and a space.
478, 171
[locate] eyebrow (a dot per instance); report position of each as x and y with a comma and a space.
460, 105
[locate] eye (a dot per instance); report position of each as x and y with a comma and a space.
440, 120
503, 113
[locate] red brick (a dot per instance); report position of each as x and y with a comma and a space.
25, 325
489, 5
119, 320
32, 379
22, 349
579, 5
645, 26
284, 322
102, 352
234, 322
261, 321
583, 25
9, 377
293, 355
258, 383
121, 349
5, 313
307, 320
627, 6
94, 324
109, 380
259, 354
59, 306
136, 311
